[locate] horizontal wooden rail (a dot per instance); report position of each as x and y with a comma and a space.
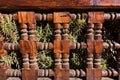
73, 16
72, 72
57, 5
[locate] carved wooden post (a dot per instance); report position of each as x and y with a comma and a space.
57, 51
32, 40
28, 45
61, 46
65, 52
57, 48
90, 41
65, 46
98, 20
24, 38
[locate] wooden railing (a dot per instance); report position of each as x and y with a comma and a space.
60, 13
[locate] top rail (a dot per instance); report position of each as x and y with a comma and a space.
58, 5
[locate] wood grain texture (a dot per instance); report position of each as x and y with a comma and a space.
45, 3
58, 5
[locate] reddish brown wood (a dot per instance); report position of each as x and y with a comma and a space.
45, 3
29, 74
24, 48
51, 5
61, 17
97, 74
62, 45
110, 73
65, 44
89, 74
57, 46
26, 17
3, 75
3, 52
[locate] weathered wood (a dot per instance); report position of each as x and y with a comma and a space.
62, 45
3, 75
29, 74
51, 5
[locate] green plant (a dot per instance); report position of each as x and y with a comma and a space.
9, 30
77, 30
78, 59
44, 34
44, 59
7, 60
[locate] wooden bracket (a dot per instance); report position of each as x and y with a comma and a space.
98, 46
95, 46
33, 48
61, 46
24, 46
65, 46
57, 46
61, 17
96, 17
26, 17
28, 47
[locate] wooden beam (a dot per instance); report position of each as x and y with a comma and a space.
58, 5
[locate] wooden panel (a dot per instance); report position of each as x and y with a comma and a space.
58, 5
45, 3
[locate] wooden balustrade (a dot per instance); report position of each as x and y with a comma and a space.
95, 12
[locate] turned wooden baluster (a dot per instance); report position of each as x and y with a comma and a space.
90, 41
98, 50
65, 46
57, 51
28, 45
61, 46
24, 37
32, 40
98, 44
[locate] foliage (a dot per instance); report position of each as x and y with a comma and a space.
8, 60
78, 59
77, 30
9, 30
44, 34
44, 59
